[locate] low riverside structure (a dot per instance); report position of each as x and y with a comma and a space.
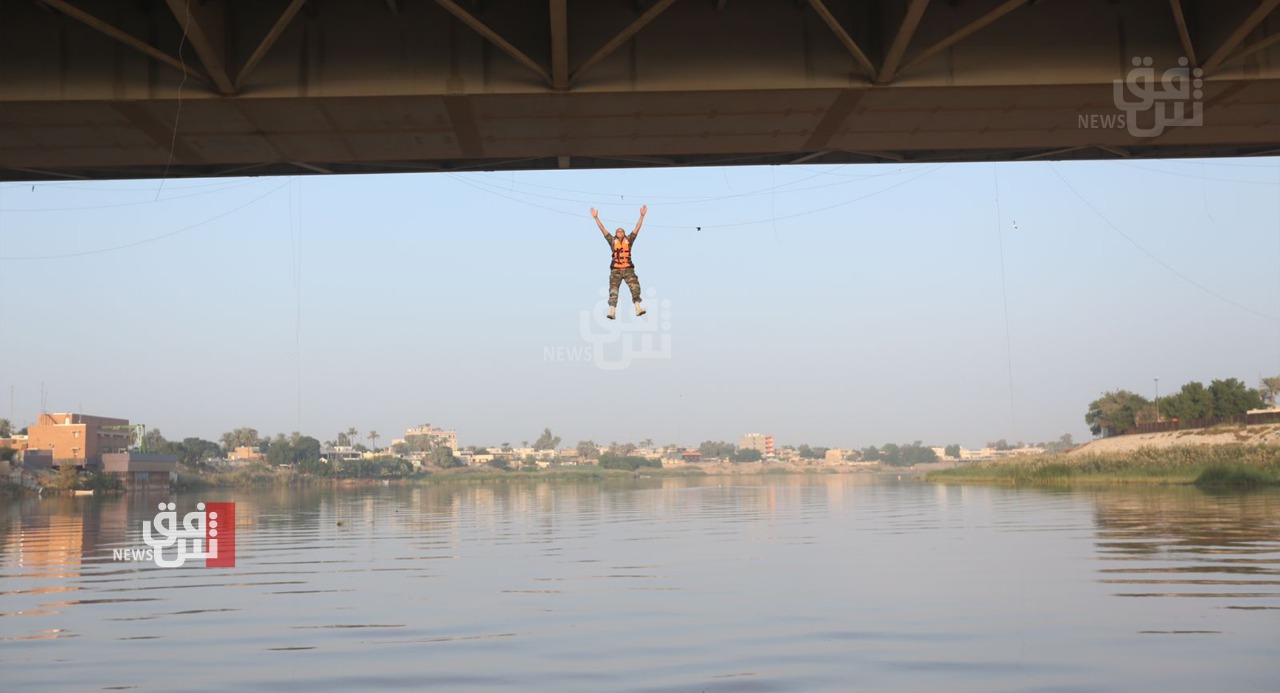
141, 471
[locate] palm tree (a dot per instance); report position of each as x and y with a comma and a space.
646, 443
373, 439
351, 436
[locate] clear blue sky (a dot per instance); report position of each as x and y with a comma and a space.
835, 306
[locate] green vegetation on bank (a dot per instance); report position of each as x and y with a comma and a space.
903, 455
1119, 411
628, 463
390, 468
1208, 466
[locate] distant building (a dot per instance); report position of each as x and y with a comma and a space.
991, 453
691, 456
834, 456
438, 436
246, 454
339, 453
17, 442
79, 439
757, 441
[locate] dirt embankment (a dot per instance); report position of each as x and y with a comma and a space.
1264, 434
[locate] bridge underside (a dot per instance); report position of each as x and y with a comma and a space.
107, 89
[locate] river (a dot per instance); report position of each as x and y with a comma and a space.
754, 583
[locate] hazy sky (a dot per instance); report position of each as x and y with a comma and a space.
837, 306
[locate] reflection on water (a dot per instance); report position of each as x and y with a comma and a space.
756, 584
1185, 543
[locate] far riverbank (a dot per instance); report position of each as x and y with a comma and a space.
1234, 465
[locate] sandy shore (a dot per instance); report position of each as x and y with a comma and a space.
1266, 434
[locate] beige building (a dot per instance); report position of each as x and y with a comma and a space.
15, 442
245, 453
757, 441
79, 439
440, 436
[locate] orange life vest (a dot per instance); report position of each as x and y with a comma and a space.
622, 253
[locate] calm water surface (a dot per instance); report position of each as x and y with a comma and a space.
824, 583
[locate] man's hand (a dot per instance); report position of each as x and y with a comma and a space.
644, 209
595, 214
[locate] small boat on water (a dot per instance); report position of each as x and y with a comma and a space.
82, 492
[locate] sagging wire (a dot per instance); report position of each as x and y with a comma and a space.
152, 239
1004, 293
859, 198
1170, 268
224, 188
173, 141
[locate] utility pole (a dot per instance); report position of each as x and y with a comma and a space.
1157, 399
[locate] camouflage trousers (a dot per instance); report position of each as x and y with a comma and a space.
616, 277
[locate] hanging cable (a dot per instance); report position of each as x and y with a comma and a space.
295, 244
173, 141
1004, 294
859, 198
1151, 255
224, 188
591, 197
153, 239
773, 213
1200, 176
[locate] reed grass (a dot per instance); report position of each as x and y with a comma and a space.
1222, 466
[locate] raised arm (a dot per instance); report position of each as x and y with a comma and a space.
596, 215
644, 209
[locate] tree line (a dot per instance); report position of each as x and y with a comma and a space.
1119, 411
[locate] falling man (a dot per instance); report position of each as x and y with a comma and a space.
621, 268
